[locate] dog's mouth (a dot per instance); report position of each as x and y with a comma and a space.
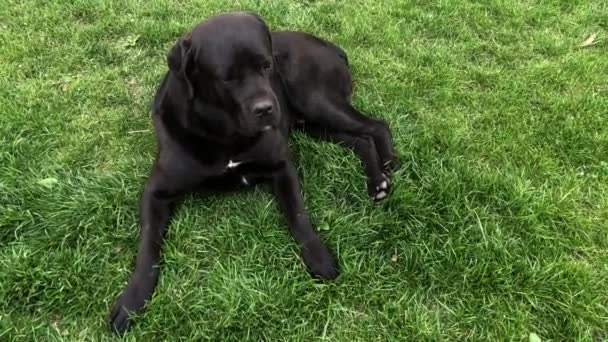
249, 125
254, 133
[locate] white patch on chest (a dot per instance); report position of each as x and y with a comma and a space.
232, 164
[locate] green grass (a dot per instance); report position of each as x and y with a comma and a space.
497, 226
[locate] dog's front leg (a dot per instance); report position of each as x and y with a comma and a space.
156, 207
317, 258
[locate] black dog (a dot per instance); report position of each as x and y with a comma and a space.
222, 116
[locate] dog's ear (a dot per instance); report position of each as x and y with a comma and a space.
267, 29
179, 59
263, 23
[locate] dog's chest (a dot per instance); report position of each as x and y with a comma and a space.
269, 149
233, 164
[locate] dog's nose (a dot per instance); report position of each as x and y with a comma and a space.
262, 108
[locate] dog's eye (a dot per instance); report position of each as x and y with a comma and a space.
229, 79
228, 76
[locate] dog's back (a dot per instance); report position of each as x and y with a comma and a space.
308, 65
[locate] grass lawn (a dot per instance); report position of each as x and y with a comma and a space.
496, 229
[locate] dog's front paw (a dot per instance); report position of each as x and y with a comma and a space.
131, 301
319, 260
379, 188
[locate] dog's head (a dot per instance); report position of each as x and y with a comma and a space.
226, 62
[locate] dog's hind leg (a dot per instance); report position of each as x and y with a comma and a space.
370, 138
341, 117
364, 147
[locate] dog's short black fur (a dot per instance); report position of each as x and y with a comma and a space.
222, 116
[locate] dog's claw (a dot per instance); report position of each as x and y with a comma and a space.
131, 301
119, 319
319, 261
391, 164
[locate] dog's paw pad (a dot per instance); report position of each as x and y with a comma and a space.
382, 186
378, 186
381, 195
